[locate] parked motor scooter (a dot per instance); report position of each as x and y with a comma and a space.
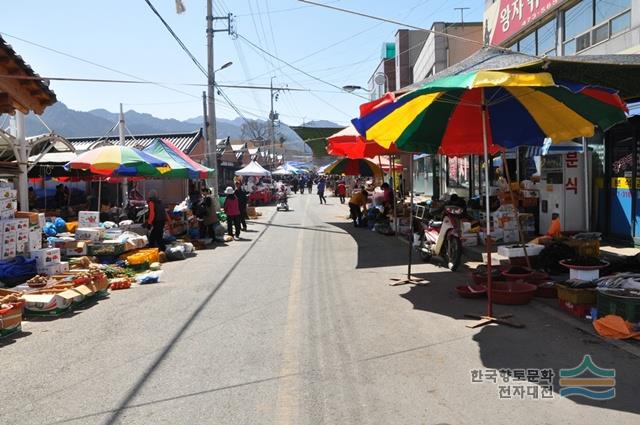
442, 238
281, 203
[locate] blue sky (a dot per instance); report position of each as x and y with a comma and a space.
125, 35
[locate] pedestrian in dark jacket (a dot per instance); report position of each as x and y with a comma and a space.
157, 220
320, 188
232, 209
242, 202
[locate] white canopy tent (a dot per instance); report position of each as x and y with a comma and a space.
280, 171
253, 169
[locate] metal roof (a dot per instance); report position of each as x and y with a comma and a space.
186, 142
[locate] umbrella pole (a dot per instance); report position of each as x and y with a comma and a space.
99, 195
409, 280
489, 317
513, 202
393, 190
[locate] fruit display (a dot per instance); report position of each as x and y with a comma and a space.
38, 281
120, 283
9, 299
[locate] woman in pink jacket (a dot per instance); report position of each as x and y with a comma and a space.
232, 209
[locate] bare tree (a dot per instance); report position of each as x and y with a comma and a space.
254, 130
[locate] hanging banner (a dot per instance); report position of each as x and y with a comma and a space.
505, 18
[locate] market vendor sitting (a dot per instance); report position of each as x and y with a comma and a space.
358, 204
555, 227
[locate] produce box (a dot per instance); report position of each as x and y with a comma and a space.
11, 317
77, 248
6, 214
93, 234
136, 243
48, 304
9, 251
577, 310
106, 248
140, 256
33, 217
6, 193
517, 250
627, 307
576, 296
45, 256
8, 226
88, 219
8, 205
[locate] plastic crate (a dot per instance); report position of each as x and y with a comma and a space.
576, 296
626, 307
577, 310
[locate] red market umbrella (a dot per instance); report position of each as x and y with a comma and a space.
348, 142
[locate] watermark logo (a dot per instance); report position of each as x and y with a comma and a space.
581, 381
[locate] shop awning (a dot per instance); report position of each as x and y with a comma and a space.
182, 166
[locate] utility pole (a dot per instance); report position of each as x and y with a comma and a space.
22, 158
273, 117
212, 153
125, 182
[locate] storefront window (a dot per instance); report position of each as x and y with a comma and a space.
528, 44
621, 23
606, 9
578, 19
547, 38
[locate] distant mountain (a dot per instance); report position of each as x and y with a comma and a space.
71, 123
323, 123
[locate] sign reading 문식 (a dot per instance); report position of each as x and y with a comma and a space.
504, 18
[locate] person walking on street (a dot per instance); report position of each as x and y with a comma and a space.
309, 185
242, 202
232, 209
320, 188
158, 218
341, 190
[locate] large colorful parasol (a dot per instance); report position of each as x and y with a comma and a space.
445, 116
353, 167
119, 161
484, 111
182, 166
348, 142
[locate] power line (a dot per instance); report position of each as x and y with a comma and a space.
391, 21
293, 66
175, 36
96, 64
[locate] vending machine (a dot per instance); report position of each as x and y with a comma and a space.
562, 190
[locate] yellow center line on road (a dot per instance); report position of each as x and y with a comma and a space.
287, 402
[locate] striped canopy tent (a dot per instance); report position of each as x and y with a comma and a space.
353, 167
182, 166
120, 161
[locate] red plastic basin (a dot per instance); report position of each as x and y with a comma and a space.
513, 293
471, 291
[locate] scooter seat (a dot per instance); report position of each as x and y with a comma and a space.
436, 224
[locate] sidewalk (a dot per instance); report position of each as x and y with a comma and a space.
472, 257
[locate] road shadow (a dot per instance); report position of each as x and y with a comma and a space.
13, 338
544, 343
375, 249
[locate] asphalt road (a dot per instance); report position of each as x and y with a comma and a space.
297, 325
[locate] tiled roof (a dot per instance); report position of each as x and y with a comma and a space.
186, 142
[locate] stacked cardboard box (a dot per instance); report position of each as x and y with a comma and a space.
48, 261
31, 236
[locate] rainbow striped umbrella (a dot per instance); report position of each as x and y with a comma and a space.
353, 167
446, 115
119, 161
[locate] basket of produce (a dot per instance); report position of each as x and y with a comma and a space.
38, 281
512, 293
120, 283
577, 291
515, 273
471, 291
546, 290
479, 275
